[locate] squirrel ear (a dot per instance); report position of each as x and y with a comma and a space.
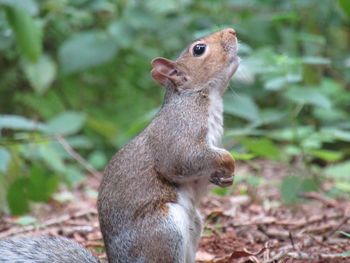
166, 70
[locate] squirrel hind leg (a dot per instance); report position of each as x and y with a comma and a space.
152, 241
189, 223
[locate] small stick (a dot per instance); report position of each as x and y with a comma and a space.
318, 197
291, 239
76, 156
343, 222
50, 222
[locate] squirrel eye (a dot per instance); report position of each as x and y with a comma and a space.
199, 49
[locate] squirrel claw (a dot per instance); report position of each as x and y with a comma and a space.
221, 181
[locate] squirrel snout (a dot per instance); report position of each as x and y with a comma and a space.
231, 31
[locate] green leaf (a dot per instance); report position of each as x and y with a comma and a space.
309, 96
338, 134
262, 147
278, 83
63, 197
15, 122
345, 6
121, 28
98, 159
80, 142
241, 106
25, 220
166, 6
40, 74
344, 233
242, 156
52, 158
290, 189
66, 123
316, 60
28, 33
268, 116
343, 186
73, 175
17, 196
253, 180
340, 171
30, 6
327, 116
293, 150
288, 134
41, 185
220, 191
293, 185
326, 155
85, 50
345, 254
240, 132
5, 158
107, 129
309, 184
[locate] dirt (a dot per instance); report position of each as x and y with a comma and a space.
249, 224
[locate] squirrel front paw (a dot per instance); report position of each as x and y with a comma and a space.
219, 178
223, 176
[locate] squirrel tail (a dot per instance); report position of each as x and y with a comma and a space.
44, 249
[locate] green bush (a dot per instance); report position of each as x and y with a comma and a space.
76, 73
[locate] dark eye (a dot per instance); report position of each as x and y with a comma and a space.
199, 49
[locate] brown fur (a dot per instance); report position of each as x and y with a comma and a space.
144, 178
149, 195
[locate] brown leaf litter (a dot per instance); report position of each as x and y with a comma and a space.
252, 226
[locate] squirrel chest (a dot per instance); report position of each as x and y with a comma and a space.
215, 119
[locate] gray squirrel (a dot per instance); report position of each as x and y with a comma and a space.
149, 196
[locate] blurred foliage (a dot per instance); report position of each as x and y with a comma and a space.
79, 70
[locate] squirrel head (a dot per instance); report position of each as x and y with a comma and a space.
207, 62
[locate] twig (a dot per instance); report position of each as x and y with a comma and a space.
93, 243
309, 256
50, 222
325, 227
325, 244
31, 140
256, 221
65, 146
76, 156
291, 239
277, 258
67, 231
343, 222
283, 253
273, 233
318, 197
313, 220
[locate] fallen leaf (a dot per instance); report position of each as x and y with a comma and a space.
245, 253
203, 256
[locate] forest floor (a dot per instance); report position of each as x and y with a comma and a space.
248, 225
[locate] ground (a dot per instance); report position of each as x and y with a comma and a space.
248, 225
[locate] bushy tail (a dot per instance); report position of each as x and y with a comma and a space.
43, 249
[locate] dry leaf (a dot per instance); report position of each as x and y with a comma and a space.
245, 253
203, 256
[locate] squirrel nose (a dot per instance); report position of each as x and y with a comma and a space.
231, 31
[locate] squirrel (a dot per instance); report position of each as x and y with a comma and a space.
149, 196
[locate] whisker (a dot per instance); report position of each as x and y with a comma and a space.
233, 93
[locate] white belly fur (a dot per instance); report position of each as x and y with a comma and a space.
188, 221
184, 213
215, 119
